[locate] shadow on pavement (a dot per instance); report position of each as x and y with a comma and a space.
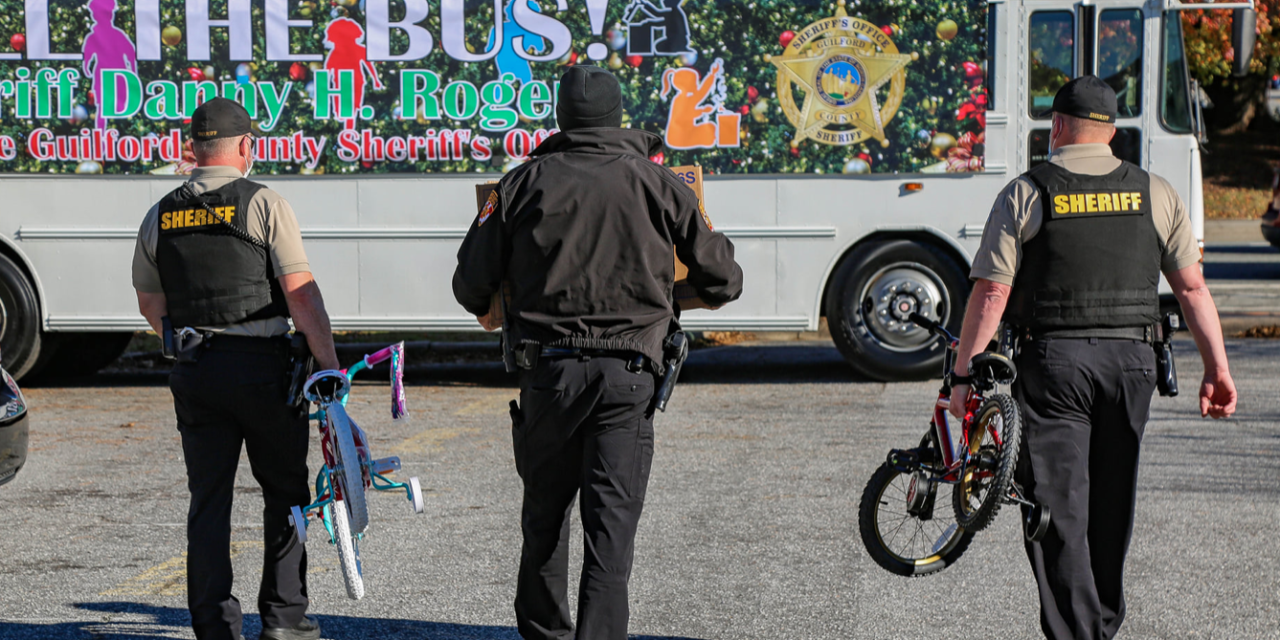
140, 621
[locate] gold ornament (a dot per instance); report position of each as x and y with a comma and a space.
760, 110
941, 144
947, 29
171, 36
857, 166
88, 166
615, 62
840, 64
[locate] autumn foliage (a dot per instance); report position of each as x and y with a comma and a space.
1208, 42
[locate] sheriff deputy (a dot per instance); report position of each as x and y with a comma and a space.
1071, 256
221, 257
584, 233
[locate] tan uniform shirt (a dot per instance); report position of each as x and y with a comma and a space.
271, 219
1016, 216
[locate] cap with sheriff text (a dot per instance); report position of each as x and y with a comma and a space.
219, 118
1086, 97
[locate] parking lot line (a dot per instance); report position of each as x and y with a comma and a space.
169, 578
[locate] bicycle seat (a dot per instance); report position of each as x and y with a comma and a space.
993, 367
326, 386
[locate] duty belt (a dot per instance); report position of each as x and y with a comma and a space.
246, 344
528, 354
1145, 334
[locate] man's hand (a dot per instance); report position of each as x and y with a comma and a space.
959, 398
486, 321
1217, 395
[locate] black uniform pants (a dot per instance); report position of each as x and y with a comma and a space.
1085, 403
223, 400
581, 427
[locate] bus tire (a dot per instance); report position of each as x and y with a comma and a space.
873, 292
20, 335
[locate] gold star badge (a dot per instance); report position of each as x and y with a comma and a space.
840, 64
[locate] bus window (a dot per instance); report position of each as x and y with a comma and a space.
1126, 145
1051, 48
1120, 57
1175, 105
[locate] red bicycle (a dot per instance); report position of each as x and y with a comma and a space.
899, 525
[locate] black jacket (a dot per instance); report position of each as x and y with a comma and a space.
584, 233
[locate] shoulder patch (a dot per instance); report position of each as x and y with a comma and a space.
705, 218
489, 206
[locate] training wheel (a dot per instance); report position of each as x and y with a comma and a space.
415, 494
1036, 523
299, 522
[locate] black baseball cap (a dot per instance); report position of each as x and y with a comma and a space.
589, 97
1086, 97
219, 118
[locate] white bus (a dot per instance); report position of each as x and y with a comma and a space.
853, 152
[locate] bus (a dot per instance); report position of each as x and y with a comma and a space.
852, 148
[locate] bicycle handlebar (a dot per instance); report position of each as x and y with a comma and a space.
378, 357
932, 327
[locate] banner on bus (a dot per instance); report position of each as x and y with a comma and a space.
424, 86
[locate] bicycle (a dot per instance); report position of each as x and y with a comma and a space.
902, 493
349, 468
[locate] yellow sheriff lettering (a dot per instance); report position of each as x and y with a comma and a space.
164, 221
1077, 202
1091, 203
1060, 204
1124, 201
1136, 199
1104, 202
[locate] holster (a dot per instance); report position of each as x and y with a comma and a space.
675, 349
188, 344
1166, 370
301, 365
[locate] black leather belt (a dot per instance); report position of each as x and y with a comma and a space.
247, 344
528, 354
1102, 333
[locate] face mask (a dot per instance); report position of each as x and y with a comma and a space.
248, 166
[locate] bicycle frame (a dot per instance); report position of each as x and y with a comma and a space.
326, 490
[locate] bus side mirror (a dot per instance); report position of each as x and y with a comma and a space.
1244, 33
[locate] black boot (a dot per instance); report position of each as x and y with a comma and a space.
307, 629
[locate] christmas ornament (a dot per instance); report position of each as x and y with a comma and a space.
940, 144
196, 73
210, 73
947, 29
242, 73
615, 62
346, 3
658, 157
634, 60
753, 94
856, 166
297, 71
744, 110
760, 111
18, 42
690, 58
888, 31
617, 39
88, 166
923, 137
795, 152
79, 113
171, 36
786, 38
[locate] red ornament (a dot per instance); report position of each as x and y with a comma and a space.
865, 157
18, 42
888, 30
93, 98
196, 73
786, 38
634, 60
297, 71
367, 164
658, 157
744, 110
795, 152
753, 94
972, 70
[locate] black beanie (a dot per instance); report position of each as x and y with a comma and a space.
589, 97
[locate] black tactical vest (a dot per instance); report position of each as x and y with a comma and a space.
1096, 261
212, 273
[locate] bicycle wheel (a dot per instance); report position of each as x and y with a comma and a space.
348, 551
989, 464
900, 542
351, 480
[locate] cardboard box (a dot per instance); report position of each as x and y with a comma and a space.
684, 294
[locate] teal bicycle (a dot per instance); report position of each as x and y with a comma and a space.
349, 469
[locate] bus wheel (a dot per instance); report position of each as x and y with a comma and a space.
19, 320
876, 289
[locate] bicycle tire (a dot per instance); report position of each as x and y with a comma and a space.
944, 551
978, 515
348, 551
352, 476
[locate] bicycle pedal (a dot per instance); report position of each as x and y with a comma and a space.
385, 465
905, 460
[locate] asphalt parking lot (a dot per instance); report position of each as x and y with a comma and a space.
749, 531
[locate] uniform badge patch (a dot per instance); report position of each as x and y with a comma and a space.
705, 218
487, 209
